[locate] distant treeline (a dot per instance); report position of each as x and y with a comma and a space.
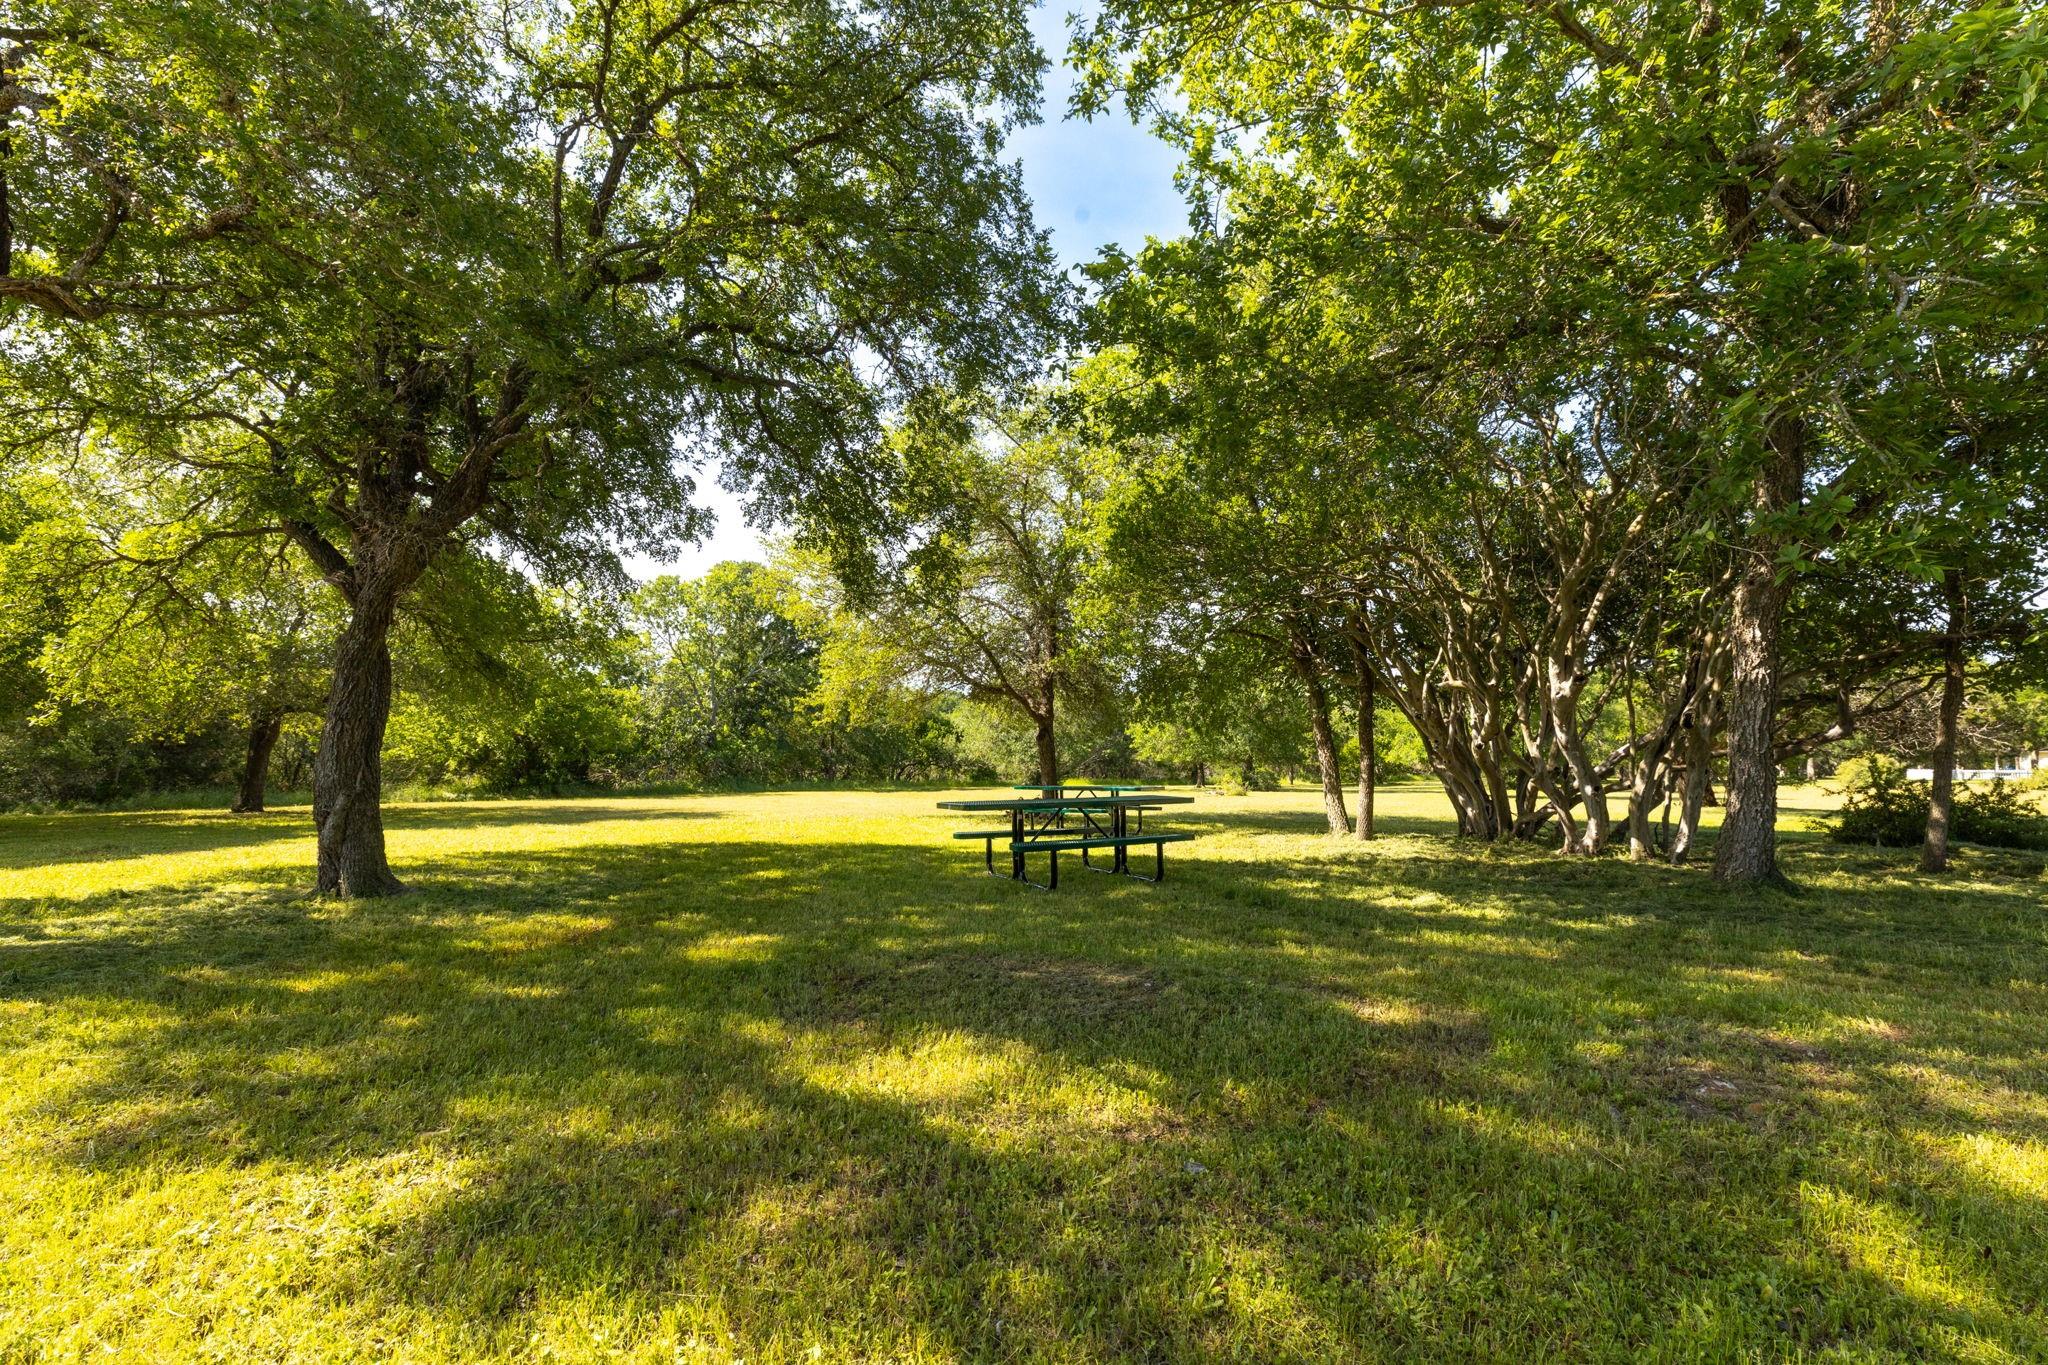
737, 678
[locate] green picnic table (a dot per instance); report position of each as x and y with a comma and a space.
1083, 790
1040, 825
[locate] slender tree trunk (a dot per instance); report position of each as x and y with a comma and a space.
1699, 774
1562, 701
1327, 765
1471, 778
1561, 803
1368, 756
1649, 786
1644, 797
1746, 854
264, 729
1500, 820
1650, 783
1654, 765
348, 811
1047, 687
1942, 803
1697, 789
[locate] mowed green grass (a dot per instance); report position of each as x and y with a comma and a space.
784, 1078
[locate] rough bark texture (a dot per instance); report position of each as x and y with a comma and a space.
1746, 854
1306, 669
1942, 803
348, 770
264, 729
1048, 748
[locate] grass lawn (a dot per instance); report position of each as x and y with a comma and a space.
783, 1077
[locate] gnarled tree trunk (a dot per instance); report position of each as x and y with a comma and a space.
1650, 785
264, 729
1563, 679
348, 814
1746, 854
1469, 768
1942, 802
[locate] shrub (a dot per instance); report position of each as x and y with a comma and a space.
1864, 770
1999, 816
1886, 810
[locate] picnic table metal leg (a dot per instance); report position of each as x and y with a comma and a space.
1158, 865
1016, 838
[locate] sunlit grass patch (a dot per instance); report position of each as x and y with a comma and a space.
785, 1078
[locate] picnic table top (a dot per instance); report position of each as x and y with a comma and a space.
1084, 787
1087, 803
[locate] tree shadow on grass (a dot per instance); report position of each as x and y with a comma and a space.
38, 842
1282, 1108
1310, 823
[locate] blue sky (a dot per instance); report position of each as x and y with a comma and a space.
1091, 183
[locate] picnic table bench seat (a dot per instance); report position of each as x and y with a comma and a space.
1039, 825
1120, 865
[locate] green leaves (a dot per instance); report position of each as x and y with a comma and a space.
729, 660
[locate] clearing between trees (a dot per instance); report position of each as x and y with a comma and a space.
781, 1077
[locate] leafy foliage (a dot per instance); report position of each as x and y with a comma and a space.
728, 662
1889, 811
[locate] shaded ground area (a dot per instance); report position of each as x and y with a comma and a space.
781, 1077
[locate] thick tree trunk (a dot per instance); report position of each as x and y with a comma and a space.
1942, 803
264, 729
1471, 786
1048, 749
1368, 758
1327, 764
1746, 854
348, 813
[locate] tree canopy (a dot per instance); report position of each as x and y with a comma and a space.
1605, 404
552, 257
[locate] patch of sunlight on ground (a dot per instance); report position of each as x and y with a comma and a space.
783, 1077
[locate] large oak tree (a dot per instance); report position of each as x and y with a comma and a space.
518, 277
